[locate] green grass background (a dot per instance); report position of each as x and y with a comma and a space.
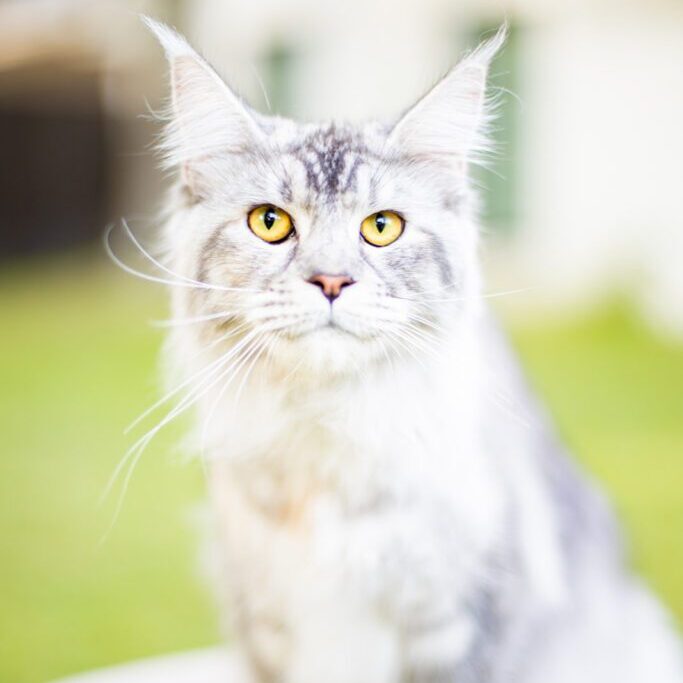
78, 362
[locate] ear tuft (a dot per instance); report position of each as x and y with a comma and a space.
173, 43
485, 52
450, 122
206, 120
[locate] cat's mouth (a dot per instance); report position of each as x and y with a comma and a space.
330, 326
334, 325
344, 326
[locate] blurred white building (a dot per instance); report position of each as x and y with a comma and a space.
591, 200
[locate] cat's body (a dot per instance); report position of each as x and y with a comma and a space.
391, 504
349, 559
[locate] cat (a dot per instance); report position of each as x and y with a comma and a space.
392, 504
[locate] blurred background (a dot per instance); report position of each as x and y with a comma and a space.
583, 212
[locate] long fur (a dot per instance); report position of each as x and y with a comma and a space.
392, 503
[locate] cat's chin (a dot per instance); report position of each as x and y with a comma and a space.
330, 350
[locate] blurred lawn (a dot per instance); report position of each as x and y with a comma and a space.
77, 364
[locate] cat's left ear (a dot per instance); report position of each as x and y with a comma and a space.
449, 122
206, 118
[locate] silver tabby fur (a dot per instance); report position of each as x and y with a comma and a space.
393, 506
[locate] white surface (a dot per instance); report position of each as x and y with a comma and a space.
215, 665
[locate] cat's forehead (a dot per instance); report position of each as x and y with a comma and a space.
329, 161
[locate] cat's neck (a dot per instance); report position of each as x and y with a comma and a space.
393, 436
392, 404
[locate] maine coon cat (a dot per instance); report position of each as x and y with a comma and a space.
392, 505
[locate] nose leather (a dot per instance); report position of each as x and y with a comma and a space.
331, 285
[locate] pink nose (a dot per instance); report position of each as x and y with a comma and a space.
331, 285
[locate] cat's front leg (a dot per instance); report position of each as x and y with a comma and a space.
441, 606
442, 652
337, 641
341, 641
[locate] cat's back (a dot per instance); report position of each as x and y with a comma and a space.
551, 496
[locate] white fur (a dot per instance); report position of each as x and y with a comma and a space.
370, 495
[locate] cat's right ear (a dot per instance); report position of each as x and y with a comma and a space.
206, 119
450, 122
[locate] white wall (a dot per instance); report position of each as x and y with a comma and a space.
603, 145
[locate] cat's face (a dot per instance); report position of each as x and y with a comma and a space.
339, 244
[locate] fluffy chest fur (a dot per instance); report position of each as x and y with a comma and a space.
404, 436
383, 525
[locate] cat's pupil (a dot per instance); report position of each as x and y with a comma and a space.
380, 222
269, 218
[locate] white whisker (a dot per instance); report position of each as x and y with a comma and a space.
398, 350
136, 451
192, 284
414, 341
491, 295
426, 341
401, 341
207, 369
236, 368
263, 345
215, 369
424, 321
230, 333
179, 322
151, 258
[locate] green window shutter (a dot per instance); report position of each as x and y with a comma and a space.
278, 66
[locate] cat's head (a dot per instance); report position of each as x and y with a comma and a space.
331, 245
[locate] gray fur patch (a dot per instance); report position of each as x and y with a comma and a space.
331, 157
286, 190
209, 249
439, 254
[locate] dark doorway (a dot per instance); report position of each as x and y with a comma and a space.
53, 159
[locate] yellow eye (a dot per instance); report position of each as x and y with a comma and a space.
382, 228
270, 223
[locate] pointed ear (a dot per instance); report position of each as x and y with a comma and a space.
206, 119
450, 122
